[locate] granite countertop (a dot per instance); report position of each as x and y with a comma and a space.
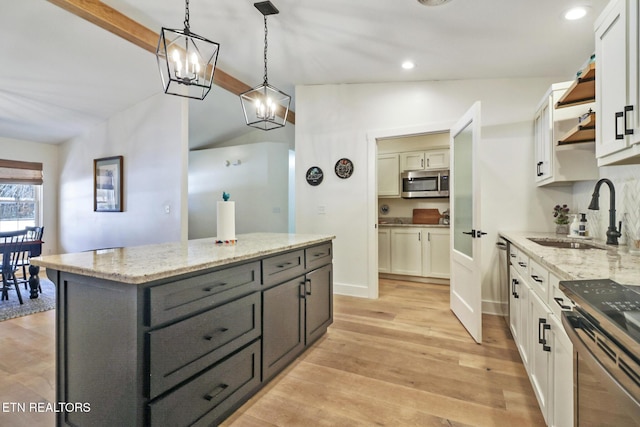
142, 264
614, 262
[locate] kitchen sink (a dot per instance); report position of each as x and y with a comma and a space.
564, 244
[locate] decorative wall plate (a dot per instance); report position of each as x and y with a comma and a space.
314, 175
344, 168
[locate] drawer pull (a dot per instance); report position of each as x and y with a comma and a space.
537, 279
283, 265
215, 392
560, 302
319, 254
305, 286
522, 264
210, 288
217, 332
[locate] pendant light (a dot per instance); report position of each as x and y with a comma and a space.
265, 107
186, 61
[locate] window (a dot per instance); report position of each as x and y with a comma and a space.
20, 194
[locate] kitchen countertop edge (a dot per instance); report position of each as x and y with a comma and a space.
143, 264
614, 262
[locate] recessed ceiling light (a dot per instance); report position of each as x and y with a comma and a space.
575, 13
407, 65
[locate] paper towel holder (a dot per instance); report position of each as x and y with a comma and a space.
227, 163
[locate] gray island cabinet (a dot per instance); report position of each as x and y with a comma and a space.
183, 333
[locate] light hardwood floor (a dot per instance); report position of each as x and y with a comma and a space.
401, 360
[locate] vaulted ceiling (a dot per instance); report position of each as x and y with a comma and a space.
61, 74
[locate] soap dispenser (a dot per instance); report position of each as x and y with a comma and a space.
583, 230
574, 229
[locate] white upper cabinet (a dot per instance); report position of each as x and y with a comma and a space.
388, 175
617, 109
563, 143
424, 160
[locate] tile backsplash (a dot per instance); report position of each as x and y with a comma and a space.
626, 180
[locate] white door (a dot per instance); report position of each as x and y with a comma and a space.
465, 284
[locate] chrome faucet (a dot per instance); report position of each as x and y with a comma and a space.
612, 232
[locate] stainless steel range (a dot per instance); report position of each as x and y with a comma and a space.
604, 328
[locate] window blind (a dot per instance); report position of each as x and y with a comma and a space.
16, 172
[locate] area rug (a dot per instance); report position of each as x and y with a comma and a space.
45, 301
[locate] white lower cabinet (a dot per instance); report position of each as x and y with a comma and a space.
384, 250
414, 251
406, 251
560, 376
436, 253
540, 352
543, 344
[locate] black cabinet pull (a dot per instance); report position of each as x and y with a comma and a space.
514, 282
512, 255
539, 169
319, 254
537, 279
303, 289
560, 302
215, 392
627, 109
542, 339
216, 332
305, 286
210, 288
618, 115
283, 265
522, 264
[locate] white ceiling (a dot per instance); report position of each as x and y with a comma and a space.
60, 74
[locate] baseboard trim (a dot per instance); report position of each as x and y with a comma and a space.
498, 308
419, 279
350, 290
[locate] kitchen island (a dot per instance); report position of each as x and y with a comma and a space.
183, 333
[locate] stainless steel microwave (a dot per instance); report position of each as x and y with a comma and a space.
424, 184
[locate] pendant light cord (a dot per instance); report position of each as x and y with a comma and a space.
265, 49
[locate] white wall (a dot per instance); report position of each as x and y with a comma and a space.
333, 121
152, 137
258, 185
47, 154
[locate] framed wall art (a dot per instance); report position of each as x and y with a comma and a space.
107, 184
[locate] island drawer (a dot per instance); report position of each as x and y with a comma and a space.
280, 268
181, 350
184, 297
317, 256
205, 399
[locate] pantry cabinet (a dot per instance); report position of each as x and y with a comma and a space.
436, 253
384, 250
617, 91
414, 251
406, 251
388, 175
424, 160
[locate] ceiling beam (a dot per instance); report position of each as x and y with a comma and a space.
109, 19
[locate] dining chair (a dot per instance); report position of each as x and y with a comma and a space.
11, 245
33, 233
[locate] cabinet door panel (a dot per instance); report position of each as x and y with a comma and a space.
611, 84
406, 251
411, 161
279, 268
561, 377
436, 253
540, 352
282, 325
389, 175
318, 302
384, 250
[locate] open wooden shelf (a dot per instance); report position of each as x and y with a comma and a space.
584, 132
582, 91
